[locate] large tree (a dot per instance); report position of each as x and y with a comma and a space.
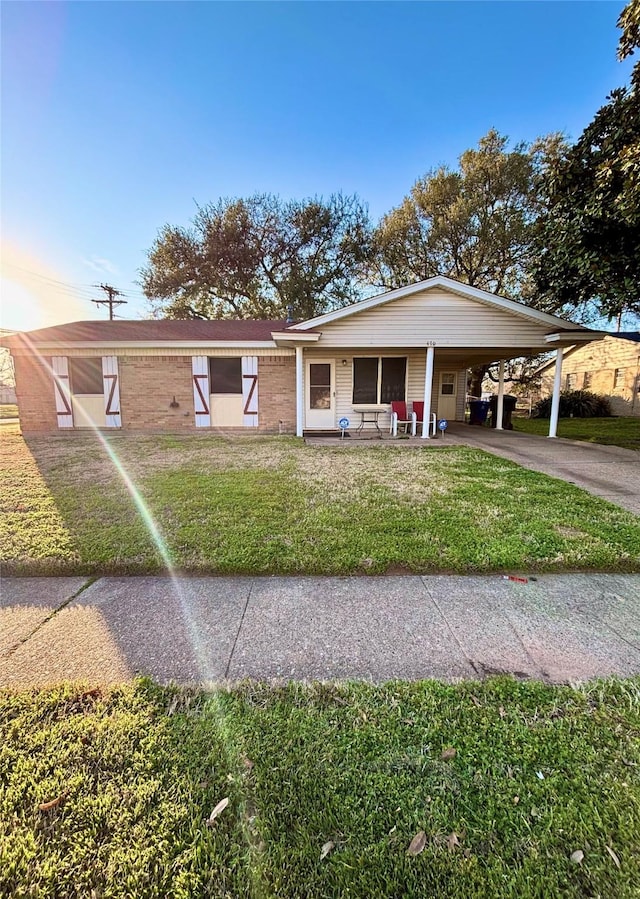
258, 257
589, 238
473, 223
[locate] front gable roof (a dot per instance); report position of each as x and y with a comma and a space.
448, 284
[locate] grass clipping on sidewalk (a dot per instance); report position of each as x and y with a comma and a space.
478, 789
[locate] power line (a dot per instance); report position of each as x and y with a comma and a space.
76, 291
79, 288
111, 300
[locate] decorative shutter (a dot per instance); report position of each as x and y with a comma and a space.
250, 391
111, 391
62, 391
201, 392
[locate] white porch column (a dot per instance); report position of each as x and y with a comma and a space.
555, 400
428, 385
500, 405
299, 393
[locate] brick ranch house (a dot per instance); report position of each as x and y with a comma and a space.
414, 343
609, 367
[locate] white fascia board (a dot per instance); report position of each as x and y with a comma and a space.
458, 287
289, 337
156, 344
572, 337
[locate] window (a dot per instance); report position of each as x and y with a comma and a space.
570, 382
448, 384
86, 376
588, 376
225, 374
379, 379
618, 378
319, 385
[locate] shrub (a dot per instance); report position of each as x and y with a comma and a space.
576, 404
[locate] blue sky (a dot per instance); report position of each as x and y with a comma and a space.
117, 117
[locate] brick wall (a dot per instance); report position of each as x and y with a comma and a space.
34, 391
148, 385
277, 394
598, 361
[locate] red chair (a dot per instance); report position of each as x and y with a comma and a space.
400, 416
418, 412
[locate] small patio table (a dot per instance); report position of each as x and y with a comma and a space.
369, 415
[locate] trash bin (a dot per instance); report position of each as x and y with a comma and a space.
478, 410
508, 407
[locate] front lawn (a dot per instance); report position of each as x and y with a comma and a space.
623, 432
275, 506
502, 789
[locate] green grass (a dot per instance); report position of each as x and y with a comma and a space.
623, 432
539, 772
276, 506
8, 410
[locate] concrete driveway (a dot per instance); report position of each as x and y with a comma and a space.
558, 628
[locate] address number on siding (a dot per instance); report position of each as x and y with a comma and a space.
430, 343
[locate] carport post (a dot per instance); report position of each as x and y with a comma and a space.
428, 384
500, 406
555, 399
299, 392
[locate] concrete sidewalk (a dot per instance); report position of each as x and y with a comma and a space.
558, 627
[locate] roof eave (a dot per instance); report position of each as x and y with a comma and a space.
141, 344
569, 338
288, 338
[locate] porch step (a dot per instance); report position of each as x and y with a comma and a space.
329, 432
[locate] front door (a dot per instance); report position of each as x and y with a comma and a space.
320, 395
447, 395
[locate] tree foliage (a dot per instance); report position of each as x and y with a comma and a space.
255, 257
589, 238
629, 22
473, 224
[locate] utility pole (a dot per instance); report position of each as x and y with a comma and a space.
111, 300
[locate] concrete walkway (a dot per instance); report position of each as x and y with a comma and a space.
557, 627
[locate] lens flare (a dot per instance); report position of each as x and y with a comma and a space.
202, 652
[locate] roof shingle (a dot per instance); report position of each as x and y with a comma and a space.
154, 330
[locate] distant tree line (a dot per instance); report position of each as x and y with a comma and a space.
554, 224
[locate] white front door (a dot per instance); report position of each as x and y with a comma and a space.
320, 393
447, 395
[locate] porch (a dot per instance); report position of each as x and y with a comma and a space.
457, 433
415, 344
353, 390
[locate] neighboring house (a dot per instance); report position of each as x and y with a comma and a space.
609, 367
414, 343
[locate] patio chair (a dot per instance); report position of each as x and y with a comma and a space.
418, 412
400, 417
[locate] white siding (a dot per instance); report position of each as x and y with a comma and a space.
433, 315
416, 363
